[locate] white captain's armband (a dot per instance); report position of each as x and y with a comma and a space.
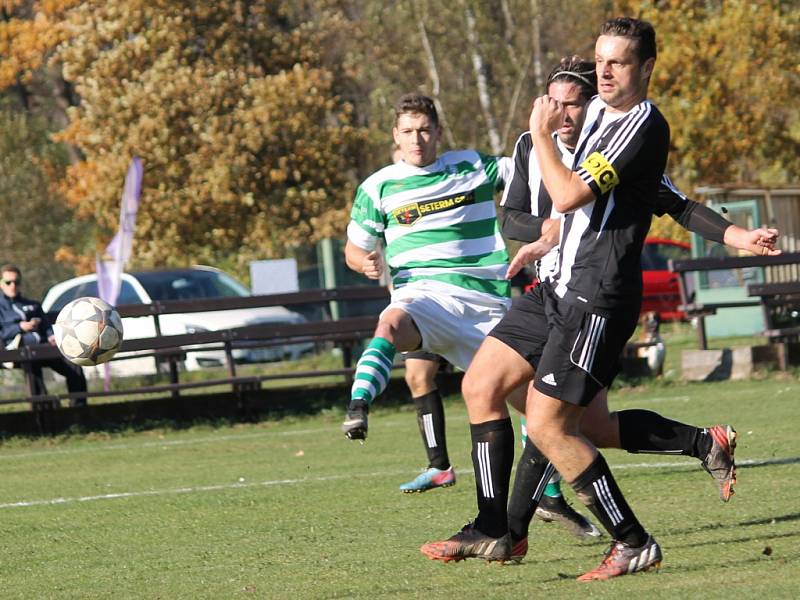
601, 171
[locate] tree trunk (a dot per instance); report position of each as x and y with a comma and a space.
480, 68
433, 73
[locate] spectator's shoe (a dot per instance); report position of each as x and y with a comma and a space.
518, 550
557, 510
355, 424
624, 560
469, 543
719, 461
430, 478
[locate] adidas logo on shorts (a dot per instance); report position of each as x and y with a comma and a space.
549, 379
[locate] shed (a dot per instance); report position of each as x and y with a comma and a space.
747, 206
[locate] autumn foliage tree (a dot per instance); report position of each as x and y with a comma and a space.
233, 108
35, 222
727, 79
255, 119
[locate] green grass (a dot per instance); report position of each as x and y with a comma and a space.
290, 509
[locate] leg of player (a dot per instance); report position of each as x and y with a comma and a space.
395, 332
646, 432
494, 373
551, 507
421, 380
554, 426
635, 431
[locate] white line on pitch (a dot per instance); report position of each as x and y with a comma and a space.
172, 443
242, 485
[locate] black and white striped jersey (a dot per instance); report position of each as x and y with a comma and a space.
522, 216
621, 156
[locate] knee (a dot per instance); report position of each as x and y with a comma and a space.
419, 383
398, 327
478, 389
386, 329
546, 435
470, 387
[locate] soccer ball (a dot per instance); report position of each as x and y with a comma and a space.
88, 331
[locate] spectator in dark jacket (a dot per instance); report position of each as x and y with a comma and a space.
23, 323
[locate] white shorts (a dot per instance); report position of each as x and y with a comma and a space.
450, 326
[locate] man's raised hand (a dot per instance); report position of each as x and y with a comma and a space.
547, 115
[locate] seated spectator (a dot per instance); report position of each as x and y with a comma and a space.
23, 323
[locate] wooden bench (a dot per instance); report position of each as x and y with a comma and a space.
700, 310
344, 333
775, 300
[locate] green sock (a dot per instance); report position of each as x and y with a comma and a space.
372, 370
553, 489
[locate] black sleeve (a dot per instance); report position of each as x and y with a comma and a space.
517, 220
520, 225
691, 215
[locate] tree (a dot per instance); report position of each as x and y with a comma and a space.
233, 108
29, 33
35, 222
483, 62
727, 79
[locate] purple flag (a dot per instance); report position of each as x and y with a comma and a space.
111, 264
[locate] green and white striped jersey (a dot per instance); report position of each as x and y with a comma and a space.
438, 223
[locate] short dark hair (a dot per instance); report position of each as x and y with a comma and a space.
416, 104
9, 268
640, 31
574, 69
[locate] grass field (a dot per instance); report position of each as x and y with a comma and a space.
291, 509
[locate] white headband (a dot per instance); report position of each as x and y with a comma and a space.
571, 74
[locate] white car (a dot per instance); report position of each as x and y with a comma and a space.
182, 284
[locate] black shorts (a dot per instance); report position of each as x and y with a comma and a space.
422, 355
575, 353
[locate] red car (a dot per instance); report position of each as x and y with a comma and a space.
661, 288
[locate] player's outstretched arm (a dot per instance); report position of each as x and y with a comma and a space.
370, 263
702, 220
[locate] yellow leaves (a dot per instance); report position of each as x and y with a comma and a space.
712, 77
277, 176
26, 40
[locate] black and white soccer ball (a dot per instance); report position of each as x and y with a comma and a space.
88, 331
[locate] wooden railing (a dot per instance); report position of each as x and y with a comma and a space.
344, 333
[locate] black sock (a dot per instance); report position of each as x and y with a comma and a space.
597, 489
533, 473
492, 459
647, 432
430, 418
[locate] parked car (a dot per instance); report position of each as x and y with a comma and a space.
661, 288
182, 284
